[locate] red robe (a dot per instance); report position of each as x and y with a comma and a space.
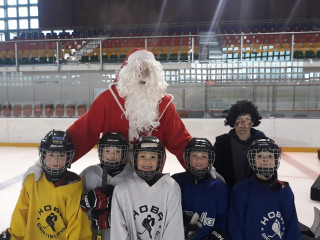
105, 115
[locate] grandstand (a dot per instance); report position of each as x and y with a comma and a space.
58, 72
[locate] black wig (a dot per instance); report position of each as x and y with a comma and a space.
242, 107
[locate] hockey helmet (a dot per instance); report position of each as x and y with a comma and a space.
56, 142
199, 145
149, 144
116, 140
264, 145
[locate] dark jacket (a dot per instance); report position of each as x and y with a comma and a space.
224, 158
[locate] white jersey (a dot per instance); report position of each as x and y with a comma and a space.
141, 212
92, 178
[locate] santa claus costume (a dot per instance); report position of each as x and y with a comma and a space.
134, 105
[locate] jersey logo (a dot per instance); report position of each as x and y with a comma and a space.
148, 222
47, 220
206, 220
272, 226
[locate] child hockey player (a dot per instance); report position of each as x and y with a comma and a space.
49, 208
112, 151
262, 207
147, 204
202, 196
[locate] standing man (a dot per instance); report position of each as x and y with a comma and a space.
231, 148
134, 105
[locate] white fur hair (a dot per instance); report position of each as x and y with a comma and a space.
142, 100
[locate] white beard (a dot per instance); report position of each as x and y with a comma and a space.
141, 100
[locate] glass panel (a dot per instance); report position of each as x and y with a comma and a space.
41, 83
263, 100
301, 98
3, 88
23, 2
12, 2
33, 1
34, 23
23, 12
1, 2
12, 24
2, 26
20, 89
23, 24
1, 12
12, 12
284, 99
75, 86
313, 99
33, 11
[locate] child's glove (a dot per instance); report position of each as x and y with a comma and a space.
214, 174
100, 219
5, 235
191, 225
36, 169
96, 199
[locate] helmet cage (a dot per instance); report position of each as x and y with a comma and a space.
113, 164
56, 142
114, 140
59, 169
198, 145
148, 175
199, 173
264, 171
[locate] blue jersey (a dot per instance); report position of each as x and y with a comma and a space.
258, 213
209, 198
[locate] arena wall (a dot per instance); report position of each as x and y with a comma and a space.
291, 134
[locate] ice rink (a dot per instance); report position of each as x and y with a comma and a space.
299, 169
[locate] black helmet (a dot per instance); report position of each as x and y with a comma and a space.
199, 145
264, 145
113, 139
149, 144
56, 142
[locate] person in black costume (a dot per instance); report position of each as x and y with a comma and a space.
231, 148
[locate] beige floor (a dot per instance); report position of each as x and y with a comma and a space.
299, 169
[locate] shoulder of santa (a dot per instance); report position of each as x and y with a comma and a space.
165, 102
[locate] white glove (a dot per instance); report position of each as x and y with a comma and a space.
214, 174
36, 169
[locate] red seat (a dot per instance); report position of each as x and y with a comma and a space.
7, 110
60, 110
82, 108
38, 110
27, 110
71, 110
48, 110
17, 110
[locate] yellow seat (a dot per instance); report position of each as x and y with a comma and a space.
34, 53
175, 48
286, 46
316, 45
256, 46
26, 54
276, 46
305, 45
43, 53
10, 54
50, 53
